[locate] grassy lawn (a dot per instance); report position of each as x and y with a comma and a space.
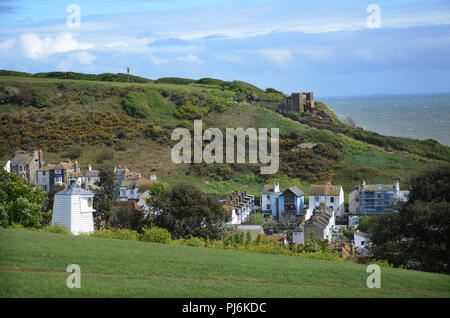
32, 264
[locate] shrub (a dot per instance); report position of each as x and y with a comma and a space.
74, 152
56, 229
136, 105
118, 234
156, 235
195, 242
84, 100
41, 99
190, 112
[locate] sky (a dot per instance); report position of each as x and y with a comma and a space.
334, 48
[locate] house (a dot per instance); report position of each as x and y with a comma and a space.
361, 239
269, 193
371, 199
73, 208
130, 184
74, 174
91, 178
321, 223
353, 220
142, 203
362, 243
297, 102
239, 207
26, 165
8, 166
290, 202
51, 175
331, 195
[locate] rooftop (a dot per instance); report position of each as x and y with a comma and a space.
319, 189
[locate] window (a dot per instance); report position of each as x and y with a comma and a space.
268, 207
44, 173
268, 197
57, 171
332, 199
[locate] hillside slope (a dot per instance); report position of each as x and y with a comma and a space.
33, 264
101, 122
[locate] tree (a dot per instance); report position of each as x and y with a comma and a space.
127, 217
106, 194
431, 184
186, 211
19, 202
364, 223
417, 236
257, 219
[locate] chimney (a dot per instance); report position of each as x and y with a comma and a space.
397, 186
276, 187
364, 184
89, 167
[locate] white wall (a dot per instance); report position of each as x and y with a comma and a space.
73, 212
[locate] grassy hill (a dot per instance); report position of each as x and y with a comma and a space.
33, 264
103, 119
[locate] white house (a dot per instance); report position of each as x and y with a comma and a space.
331, 195
142, 203
8, 166
73, 209
239, 206
269, 191
321, 223
361, 239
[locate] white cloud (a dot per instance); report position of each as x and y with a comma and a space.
84, 57
36, 48
228, 58
157, 60
190, 58
277, 56
5, 45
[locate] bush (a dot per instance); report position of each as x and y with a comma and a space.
56, 229
136, 105
190, 112
41, 99
156, 235
74, 152
118, 234
195, 242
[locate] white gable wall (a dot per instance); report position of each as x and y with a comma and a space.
81, 217
69, 211
61, 210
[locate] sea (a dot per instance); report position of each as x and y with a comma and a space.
425, 116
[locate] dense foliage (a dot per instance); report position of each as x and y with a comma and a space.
417, 236
20, 203
186, 211
106, 193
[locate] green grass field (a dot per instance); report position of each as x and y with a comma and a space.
33, 264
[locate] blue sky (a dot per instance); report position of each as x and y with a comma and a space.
321, 46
